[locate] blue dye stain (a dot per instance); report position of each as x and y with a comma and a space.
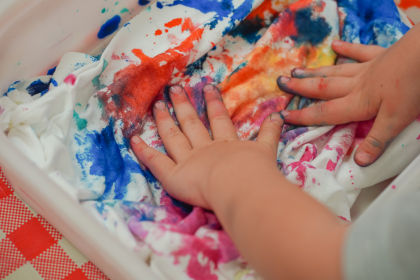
249, 30
185, 208
309, 29
221, 8
104, 157
366, 21
109, 27
51, 71
11, 88
38, 86
159, 5
196, 66
143, 2
54, 82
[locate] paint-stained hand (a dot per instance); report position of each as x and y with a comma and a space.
190, 169
383, 85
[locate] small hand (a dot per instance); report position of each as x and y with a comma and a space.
377, 87
190, 168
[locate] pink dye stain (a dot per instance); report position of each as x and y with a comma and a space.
331, 165
135, 87
393, 187
344, 219
70, 79
418, 137
205, 256
301, 166
196, 269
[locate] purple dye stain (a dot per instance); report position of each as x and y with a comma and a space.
109, 27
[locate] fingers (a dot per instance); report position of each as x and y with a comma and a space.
176, 144
270, 131
159, 164
220, 122
340, 70
319, 88
357, 52
384, 129
191, 125
336, 111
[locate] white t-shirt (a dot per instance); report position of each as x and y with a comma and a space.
384, 242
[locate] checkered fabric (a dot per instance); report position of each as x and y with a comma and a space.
30, 248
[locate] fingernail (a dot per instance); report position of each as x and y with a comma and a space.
160, 105
337, 43
363, 159
136, 139
284, 114
298, 73
275, 117
212, 92
282, 80
176, 90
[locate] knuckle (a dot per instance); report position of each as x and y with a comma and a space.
149, 155
172, 132
189, 120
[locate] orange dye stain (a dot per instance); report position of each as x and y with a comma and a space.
262, 10
405, 4
173, 23
187, 25
158, 32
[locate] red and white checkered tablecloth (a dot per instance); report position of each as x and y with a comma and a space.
30, 248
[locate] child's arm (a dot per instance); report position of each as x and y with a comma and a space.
279, 229
386, 86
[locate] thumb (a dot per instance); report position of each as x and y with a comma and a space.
384, 129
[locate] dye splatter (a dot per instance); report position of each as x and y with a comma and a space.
109, 27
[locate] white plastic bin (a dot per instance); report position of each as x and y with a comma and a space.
34, 35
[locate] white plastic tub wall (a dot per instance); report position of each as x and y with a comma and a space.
33, 37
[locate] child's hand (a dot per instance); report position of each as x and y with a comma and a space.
385, 84
195, 158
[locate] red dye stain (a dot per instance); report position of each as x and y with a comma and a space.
135, 87
322, 84
70, 79
173, 23
393, 187
158, 32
